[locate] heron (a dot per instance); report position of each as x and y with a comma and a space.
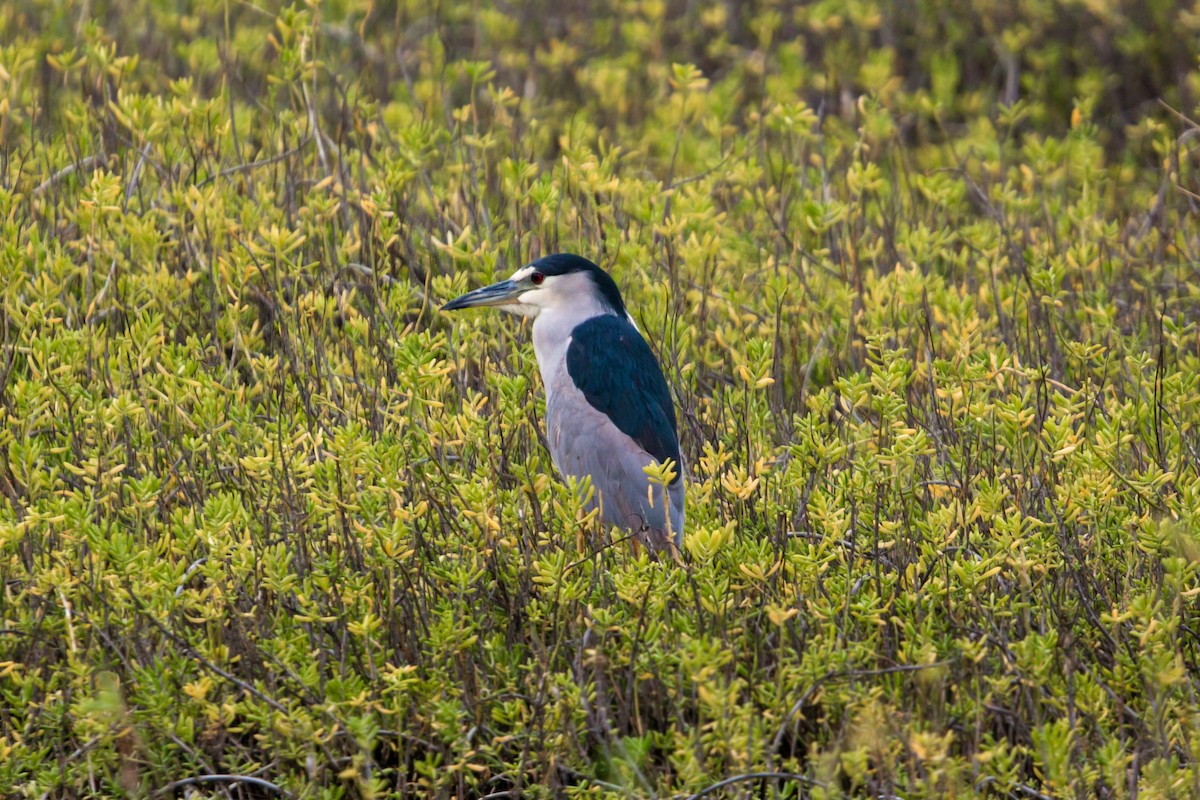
609, 413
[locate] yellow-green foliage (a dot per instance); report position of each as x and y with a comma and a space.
923, 277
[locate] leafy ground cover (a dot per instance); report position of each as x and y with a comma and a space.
925, 282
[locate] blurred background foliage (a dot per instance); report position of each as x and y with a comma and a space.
924, 278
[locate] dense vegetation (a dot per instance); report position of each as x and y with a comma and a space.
925, 279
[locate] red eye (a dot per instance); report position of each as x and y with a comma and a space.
537, 278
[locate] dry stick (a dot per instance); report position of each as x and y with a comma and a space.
1160, 198
230, 779
1028, 791
324, 143
243, 685
597, 552
253, 165
835, 675
701, 175
182, 643
65, 172
386, 280
812, 361
112, 271
752, 776
132, 184
631, 679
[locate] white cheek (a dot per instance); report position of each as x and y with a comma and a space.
533, 297
522, 308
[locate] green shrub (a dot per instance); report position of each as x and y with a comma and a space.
925, 287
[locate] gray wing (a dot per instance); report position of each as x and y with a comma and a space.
584, 442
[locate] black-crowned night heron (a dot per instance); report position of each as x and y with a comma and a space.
608, 409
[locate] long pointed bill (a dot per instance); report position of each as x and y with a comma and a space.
498, 294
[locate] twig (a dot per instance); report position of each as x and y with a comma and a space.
253, 165
1160, 198
131, 186
837, 675
597, 552
188, 574
65, 172
258, 783
753, 776
848, 544
186, 646
367, 272
112, 271
701, 175
812, 361
1028, 791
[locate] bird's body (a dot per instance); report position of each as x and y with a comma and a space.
609, 413
596, 427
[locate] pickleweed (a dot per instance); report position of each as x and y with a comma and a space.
922, 287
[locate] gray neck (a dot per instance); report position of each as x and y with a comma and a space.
552, 333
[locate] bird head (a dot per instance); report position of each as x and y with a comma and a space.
559, 282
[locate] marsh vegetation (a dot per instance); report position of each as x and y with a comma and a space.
924, 281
